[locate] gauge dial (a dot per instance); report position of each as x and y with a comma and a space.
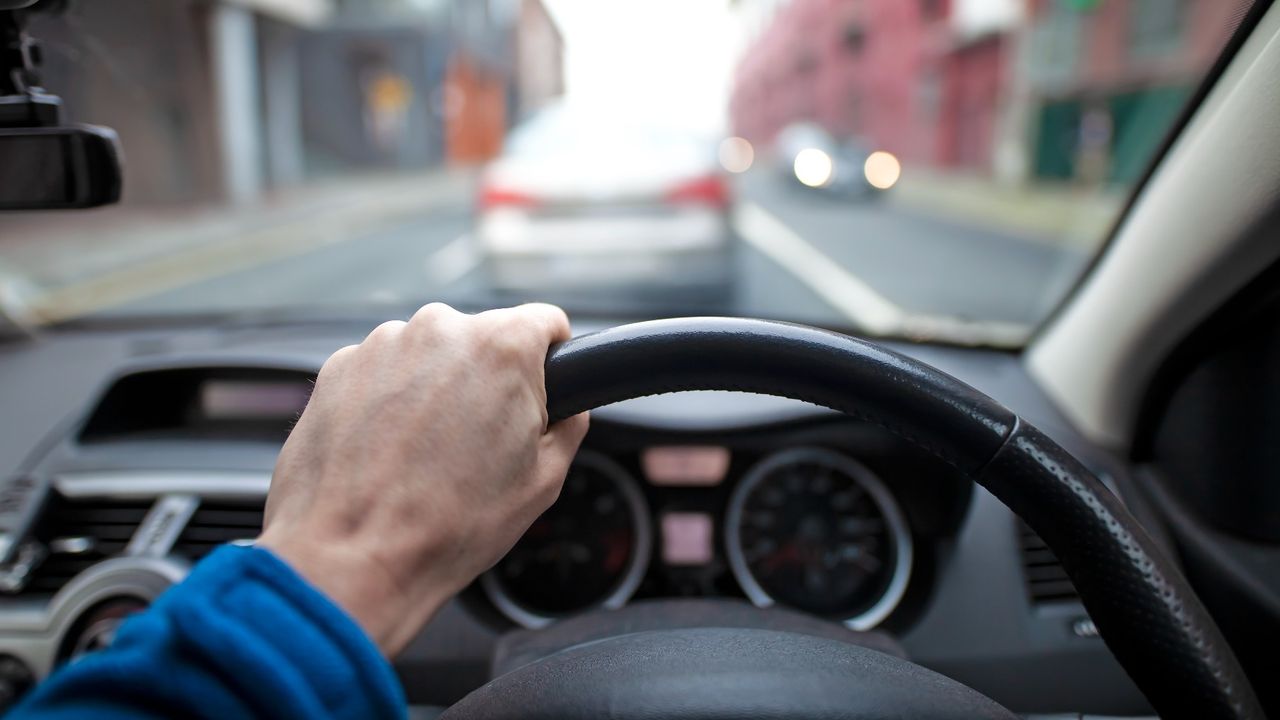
813, 529
590, 549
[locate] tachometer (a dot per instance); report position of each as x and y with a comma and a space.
590, 549
816, 530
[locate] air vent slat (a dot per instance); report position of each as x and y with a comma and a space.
1045, 573
104, 533
1047, 580
218, 523
232, 518
108, 524
218, 535
1039, 557
1061, 590
73, 514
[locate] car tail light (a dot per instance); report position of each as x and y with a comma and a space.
494, 197
710, 190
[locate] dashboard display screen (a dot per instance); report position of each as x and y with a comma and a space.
253, 399
687, 538
686, 465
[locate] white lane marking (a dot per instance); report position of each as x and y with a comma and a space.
867, 308
870, 311
452, 261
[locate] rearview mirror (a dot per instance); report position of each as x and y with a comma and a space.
49, 168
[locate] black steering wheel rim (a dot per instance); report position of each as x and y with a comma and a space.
1144, 609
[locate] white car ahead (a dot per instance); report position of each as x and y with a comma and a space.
582, 202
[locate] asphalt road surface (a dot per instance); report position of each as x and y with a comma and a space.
803, 257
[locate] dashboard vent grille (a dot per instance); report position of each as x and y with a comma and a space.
1047, 581
218, 522
80, 533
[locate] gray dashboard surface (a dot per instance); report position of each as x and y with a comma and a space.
48, 382
979, 626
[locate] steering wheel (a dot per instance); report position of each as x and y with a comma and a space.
1144, 609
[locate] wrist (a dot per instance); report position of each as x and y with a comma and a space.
388, 605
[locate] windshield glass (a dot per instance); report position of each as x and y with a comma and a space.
930, 169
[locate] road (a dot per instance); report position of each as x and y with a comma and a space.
804, 257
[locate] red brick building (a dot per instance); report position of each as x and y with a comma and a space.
866, 69
1053, 89
973, 75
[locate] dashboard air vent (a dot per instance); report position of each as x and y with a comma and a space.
218, 522
1047, 581
80, 533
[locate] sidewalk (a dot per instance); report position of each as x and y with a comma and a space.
78, 261
1064, 216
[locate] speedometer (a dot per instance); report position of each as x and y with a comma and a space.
816, 530
590, 549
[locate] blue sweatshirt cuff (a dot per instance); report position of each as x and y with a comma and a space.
249, 607
243, 636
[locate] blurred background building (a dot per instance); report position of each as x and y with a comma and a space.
229, 100
226, 100
1021, 90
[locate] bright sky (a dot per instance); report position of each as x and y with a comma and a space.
668, 61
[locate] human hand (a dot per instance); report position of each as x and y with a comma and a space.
421, 458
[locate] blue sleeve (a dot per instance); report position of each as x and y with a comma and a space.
243, 636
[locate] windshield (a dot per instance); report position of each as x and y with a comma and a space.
929, 169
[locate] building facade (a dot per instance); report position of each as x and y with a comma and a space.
204, 95
864, 69
227, 100
1107, 77
1023, 90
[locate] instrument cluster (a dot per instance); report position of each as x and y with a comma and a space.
801, 520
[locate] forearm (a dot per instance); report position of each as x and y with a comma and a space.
243, 636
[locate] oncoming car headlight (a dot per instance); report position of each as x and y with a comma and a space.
882, 170
813, 167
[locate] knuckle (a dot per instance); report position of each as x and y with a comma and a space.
435, 320
339, 358
386, 331
433, 313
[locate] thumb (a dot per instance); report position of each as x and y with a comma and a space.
560, 443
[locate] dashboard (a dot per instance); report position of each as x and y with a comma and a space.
142, 451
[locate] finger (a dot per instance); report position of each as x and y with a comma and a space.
548, 323
554, 320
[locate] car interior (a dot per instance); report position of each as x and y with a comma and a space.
766, 519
